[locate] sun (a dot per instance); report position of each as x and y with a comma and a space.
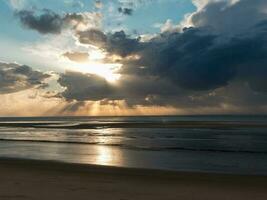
95, 65
107, 71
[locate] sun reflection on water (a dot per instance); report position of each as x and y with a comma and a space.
108, 155
105, 156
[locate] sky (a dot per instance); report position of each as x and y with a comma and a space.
133, 57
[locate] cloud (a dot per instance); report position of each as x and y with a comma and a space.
228, 17
172, 55
125, 11
93, 37
98, 4
217, 60
77, 56
84, 86
17, 4
15, 78
198, 66
168, 26
74, 4
151, 91
132, 89
49, 22
115, 43
200, 57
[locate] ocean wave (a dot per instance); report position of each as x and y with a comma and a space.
138, 147
104, 125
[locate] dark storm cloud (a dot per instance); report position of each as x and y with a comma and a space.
196, 60
125, 11
49, 22
77, 56
188, 59
15, 78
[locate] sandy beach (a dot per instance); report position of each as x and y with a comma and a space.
28, 179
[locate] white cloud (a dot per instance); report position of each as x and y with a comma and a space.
202, 3
168, 26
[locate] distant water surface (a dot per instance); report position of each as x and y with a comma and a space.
231, 144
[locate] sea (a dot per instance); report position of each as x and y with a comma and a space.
209, 143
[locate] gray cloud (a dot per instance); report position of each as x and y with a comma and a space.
15, 78
134, 90
125, 11
84, 86
49, 22
115, 43
93, 37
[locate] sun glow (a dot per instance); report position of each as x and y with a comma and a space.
95, 65
107, 71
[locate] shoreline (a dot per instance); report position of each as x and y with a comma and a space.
36, 179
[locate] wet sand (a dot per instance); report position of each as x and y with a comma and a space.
28, 179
